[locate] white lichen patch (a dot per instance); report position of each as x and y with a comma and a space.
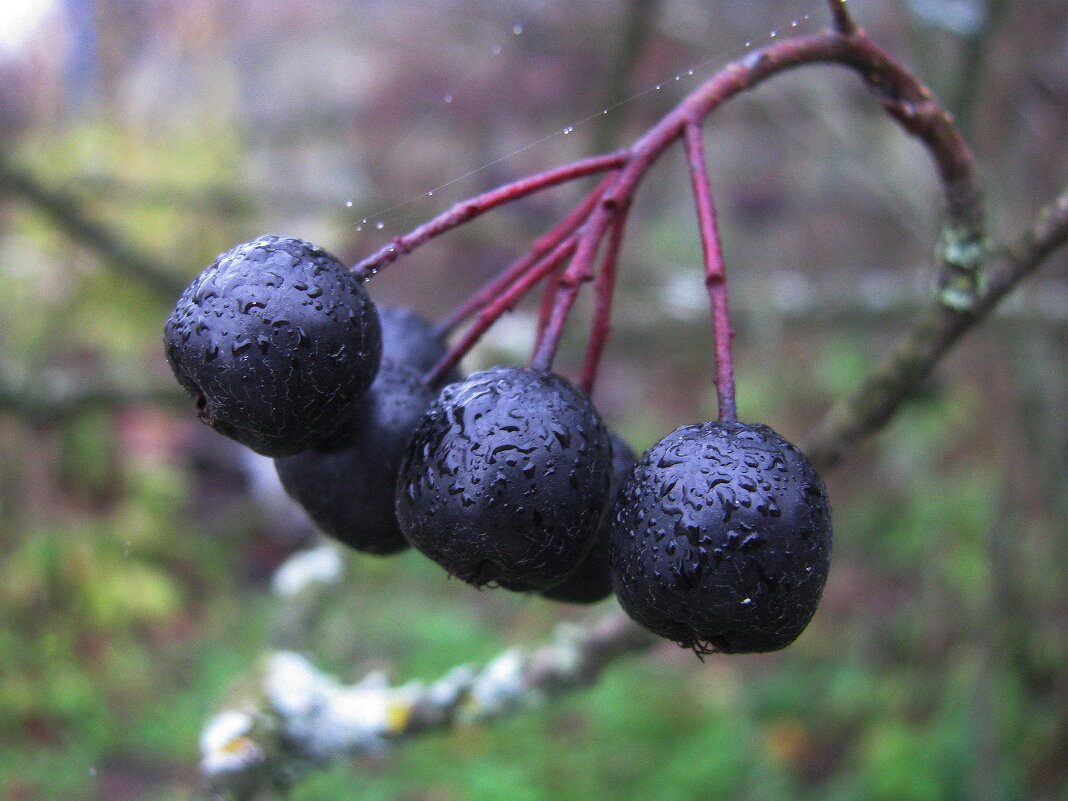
325, 718
322, 564
227, 745
498, 688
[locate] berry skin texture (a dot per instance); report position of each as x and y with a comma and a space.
276, 341
592, 580
346, 483
505, 479
722, 539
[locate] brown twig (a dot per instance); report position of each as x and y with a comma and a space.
937, 330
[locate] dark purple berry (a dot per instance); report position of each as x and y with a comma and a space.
722, 539
505, 479
409, 338
592, 580
346, 484
276, 341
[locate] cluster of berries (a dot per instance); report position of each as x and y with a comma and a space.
717, 538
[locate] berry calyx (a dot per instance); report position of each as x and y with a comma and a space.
505, 479
276, 340
722, 539
346, 484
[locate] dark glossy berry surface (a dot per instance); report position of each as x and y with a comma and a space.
592, 580
722, 539
505, 479
346, 484
276, 341
409, 338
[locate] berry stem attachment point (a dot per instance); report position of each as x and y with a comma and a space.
715, 275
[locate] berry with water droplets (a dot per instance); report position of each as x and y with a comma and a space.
722, 539
592, 580
505, 479
346, 483
276, 340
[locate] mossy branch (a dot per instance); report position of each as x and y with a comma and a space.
67, 214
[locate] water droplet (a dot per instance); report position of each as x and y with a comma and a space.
496, 50
359, 227
794, 24
604, 111
773, 34
568, 130
517, 29
748, 44
658, 86
348, 204
689, 72
678, 77
380, 225
430, 193
448, 98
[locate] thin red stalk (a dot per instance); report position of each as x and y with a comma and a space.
601, 325
467, 210
843, 21
907, 100
545, 309
578, 272
543, 245
715, 275
903, 96
490, 314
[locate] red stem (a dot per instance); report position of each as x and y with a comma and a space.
467, 210
490, 314
545, 308
578, 272
542, 246
904, 98
715, 275
601, 325
843, 21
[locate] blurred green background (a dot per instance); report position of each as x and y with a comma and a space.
139, 139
